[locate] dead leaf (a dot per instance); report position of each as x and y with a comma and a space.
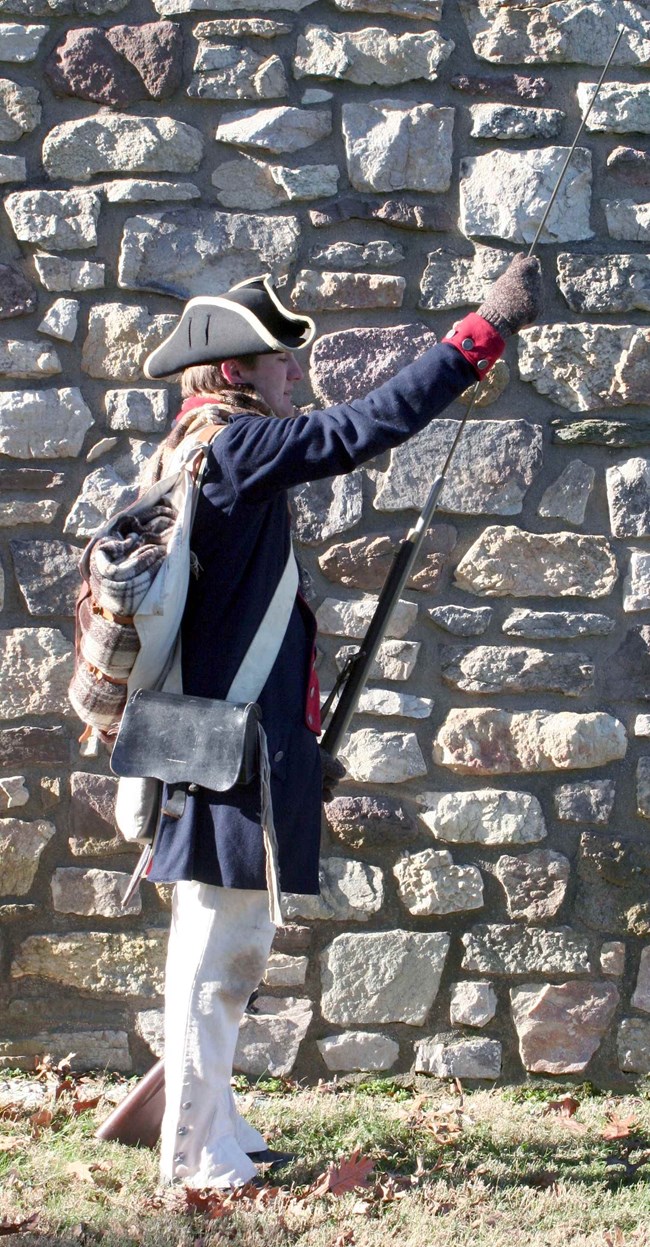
12, 1142
18, 1227
445, 1129
566, 1107
614, 1238
349, 1175
11, 1111
79, 1170
619, 1128
83, 1106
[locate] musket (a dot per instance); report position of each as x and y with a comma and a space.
138, 1118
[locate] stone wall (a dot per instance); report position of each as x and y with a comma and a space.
485, 906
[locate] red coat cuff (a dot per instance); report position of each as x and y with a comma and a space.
478, 341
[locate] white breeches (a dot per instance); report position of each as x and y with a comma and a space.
219, 944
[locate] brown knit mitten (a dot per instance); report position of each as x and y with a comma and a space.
515, 299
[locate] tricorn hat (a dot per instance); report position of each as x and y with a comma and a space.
248, 319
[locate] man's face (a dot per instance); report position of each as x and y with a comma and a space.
273, 376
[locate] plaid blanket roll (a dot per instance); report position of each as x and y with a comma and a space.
109, 643
125, 562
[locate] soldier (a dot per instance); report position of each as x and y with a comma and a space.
235, 353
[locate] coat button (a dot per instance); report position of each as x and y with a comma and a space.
277, 757
193, 788
182, 1130
187, 1104
482, 363
310, 719
312, 691
179, 1157
467, 344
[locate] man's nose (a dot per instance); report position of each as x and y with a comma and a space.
294, 371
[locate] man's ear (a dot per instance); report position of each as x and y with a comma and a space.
231, 372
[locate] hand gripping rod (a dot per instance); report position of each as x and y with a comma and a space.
355, 673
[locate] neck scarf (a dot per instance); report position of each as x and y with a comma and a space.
198, 411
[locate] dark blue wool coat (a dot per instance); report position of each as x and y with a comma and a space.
241, 538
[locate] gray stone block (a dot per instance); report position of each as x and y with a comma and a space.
485, 816
567, 497
461, 620
167, 250
269, 1039
491, 741
20, 110
358, 1050
511, 453
560, 1026
563, 33
388, 976
627, 219
21, 845
511, 121
377, 757
535, 884
458, 1058
430, 883
621, 107
512, 949
370, 57
503, 195
633, 1044
62, 220
472, 1003
628, 495
390, 146
516, 669
120, 143
605, 283
589, 802
556, 625
513, 562
276, 130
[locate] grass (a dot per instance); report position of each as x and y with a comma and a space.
486, 1169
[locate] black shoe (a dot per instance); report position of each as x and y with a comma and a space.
274, 1160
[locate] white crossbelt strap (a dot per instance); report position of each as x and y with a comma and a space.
247, 685
263, 650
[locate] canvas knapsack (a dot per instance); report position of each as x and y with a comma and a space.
135, 573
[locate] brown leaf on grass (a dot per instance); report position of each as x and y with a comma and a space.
18, 1227
11, 1111
98, 1174
79, 1170
614, 1238
412, 1112
617, 1127
82, 1106
566, 1107
215, 1204
349, 1175
446, 1129
40, 1120
346, 1239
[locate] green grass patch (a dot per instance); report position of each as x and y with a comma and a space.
484, 1169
